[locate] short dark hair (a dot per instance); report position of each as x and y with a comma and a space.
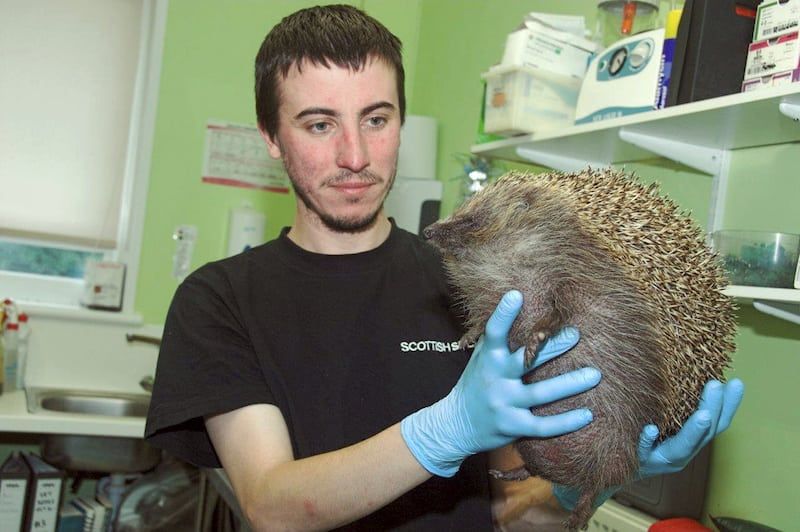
338, 34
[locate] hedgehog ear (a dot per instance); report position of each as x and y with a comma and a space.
457, 225
466, 224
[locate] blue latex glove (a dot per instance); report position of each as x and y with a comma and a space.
490, 405
718, 404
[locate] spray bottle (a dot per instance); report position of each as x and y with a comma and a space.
8, 315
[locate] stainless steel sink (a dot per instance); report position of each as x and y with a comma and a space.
105, 454
88, 402
100, 454
97, 405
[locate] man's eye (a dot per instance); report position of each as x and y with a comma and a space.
319, 127
376, 121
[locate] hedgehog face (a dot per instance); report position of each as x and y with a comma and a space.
476, 223
448, 235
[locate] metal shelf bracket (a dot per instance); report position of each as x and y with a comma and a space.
707, 160
790, 106
784, 311
562, 163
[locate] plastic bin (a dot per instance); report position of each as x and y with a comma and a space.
522, 100
754, 258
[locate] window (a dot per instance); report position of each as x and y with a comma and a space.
55, 261
77, 108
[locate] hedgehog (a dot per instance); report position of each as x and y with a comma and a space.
617, 259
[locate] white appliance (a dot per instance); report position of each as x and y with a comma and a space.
416, 195
623, 79
414, 203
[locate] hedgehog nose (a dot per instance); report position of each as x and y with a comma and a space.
428, 232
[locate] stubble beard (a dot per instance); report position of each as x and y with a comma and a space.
341, 224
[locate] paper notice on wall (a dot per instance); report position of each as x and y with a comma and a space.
235, 155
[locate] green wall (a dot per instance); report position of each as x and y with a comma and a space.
207, 73
756, 464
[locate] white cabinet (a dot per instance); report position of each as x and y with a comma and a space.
700, 135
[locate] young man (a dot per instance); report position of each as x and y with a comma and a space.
322, 369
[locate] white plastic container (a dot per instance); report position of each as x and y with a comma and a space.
522, 100
246, 228
755, 258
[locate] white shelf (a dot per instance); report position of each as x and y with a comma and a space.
697, 131
752, 293
783, 303
698, 134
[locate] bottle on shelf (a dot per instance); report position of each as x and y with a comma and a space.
22, 349
2, 362
10, 347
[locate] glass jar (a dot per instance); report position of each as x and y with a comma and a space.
618, 19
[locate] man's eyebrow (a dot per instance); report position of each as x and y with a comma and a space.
330, 112
375, 106
315, 111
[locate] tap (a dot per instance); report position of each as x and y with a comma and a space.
141, 338
147, 383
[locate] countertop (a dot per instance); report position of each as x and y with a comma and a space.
14, 417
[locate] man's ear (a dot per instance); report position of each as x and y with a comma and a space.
273, 147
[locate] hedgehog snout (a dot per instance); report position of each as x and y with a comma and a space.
429, 232
441, 235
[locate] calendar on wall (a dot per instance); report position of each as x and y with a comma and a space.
235, 155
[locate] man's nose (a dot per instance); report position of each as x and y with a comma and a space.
352, 150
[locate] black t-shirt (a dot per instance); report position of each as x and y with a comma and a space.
343, 345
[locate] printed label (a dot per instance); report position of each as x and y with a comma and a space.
12, 503
775, 19
766, 57
45, 506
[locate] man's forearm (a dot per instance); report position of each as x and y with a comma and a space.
335, 488
529, 501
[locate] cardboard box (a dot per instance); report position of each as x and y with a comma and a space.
775, 18
772, 62
539, 46
528, 100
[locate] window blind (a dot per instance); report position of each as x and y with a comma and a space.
67, 76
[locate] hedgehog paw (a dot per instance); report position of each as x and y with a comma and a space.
530, 355
468, 340
519, 473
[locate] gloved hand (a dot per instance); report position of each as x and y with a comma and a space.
490, 405
718, 404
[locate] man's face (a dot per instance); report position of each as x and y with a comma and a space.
338, 136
